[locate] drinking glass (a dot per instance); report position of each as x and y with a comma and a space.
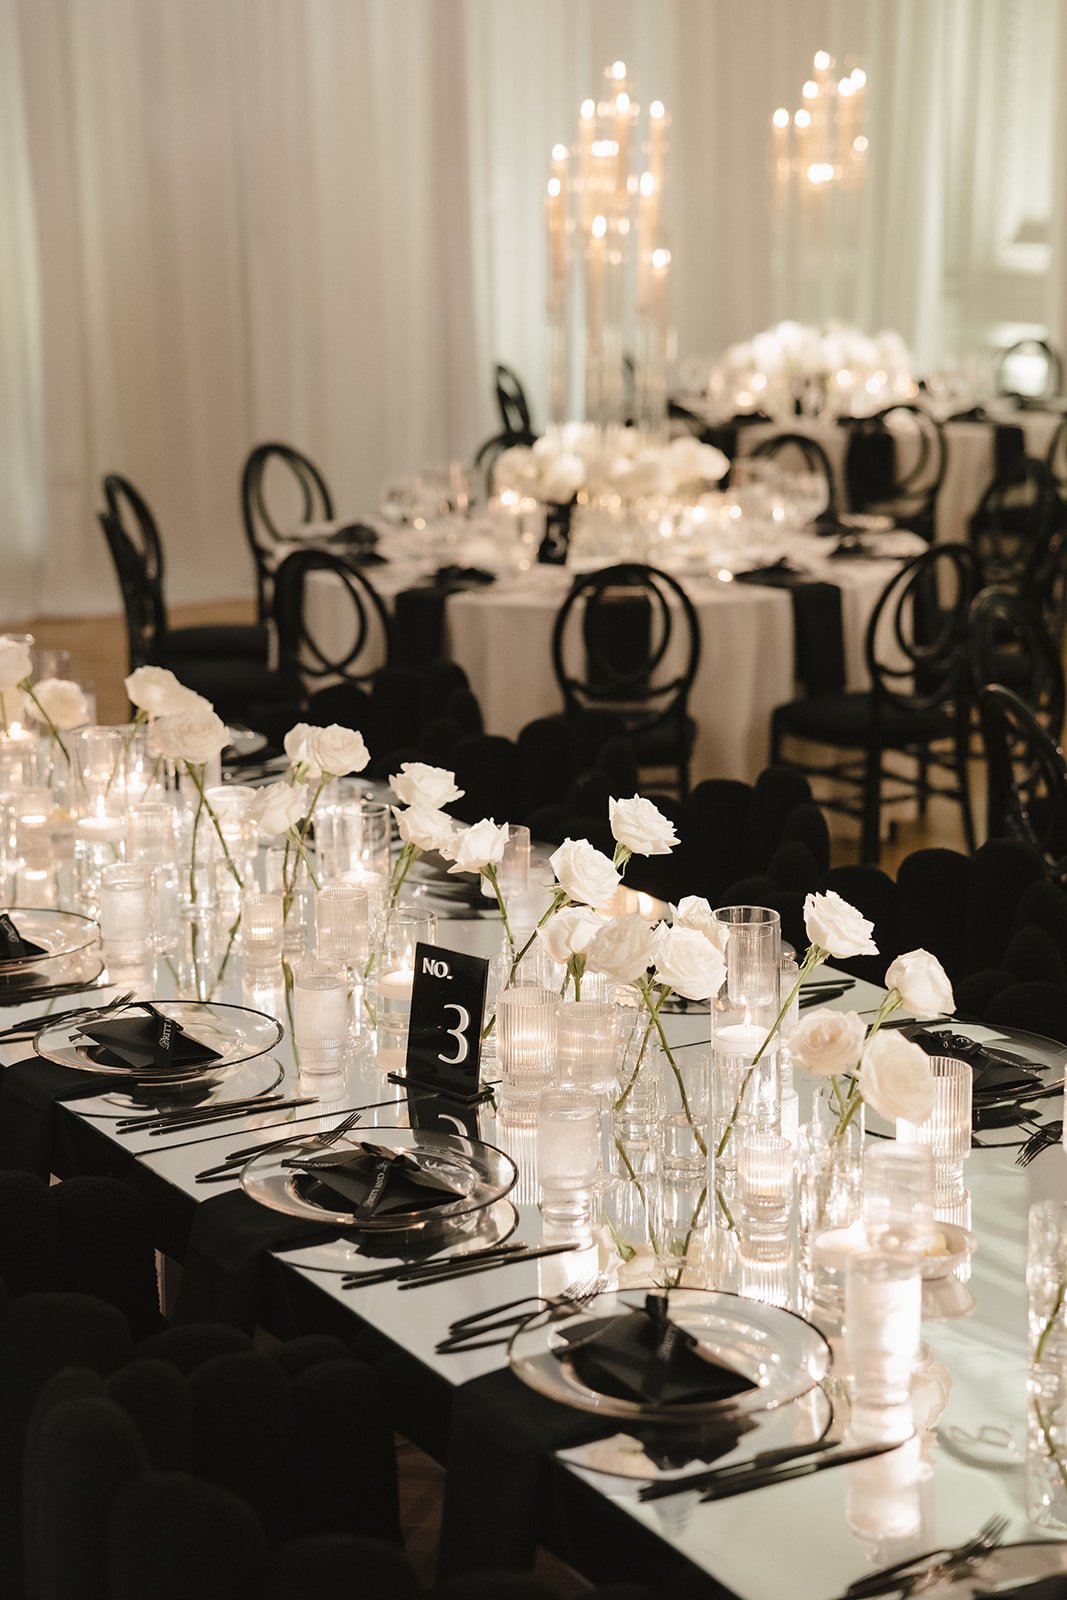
898, 1196
526, 1022
586, 1044
764, 1191
946, 1133
320, 1018
152, 839
883, 1322
568, 1154
125, 913
262, 930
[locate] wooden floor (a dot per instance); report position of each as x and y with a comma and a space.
98, 656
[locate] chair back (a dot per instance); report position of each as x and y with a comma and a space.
360, 640
800, 451
1029, 369
137, 554
1056, 460
627, 640
513, 406
1017, 532
1027, 778
1008, 643
896, 466
916, 637
300, 495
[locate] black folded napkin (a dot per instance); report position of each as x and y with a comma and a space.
13, 945
851, 548
372, 1181
28, 1092
870, 468
644, 1356
355, 536
995, 1071
462, 577
818, 638
671, 1451
146, 1041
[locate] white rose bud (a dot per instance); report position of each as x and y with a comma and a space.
195, 736
425, 828
688, 962
158, 692
569, 933
279, 807
836, 927
641, 827
298, 746
584, 874
623, 949
337, 751
417, 784
693, 911
476, 848
895, 1078
922, 984
15, 662
60, 702
827, 1042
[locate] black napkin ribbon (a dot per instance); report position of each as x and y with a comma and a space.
818, 636
372, 1180
644, 1356
13, 945
147, 1041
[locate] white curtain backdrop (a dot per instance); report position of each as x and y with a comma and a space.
321, 221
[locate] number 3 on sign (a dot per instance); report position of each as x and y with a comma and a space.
463, 1020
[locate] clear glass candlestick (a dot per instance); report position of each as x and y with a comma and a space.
125, 914
765, 1190
898, 1196
320, 1018
568, 1155
341, 924
353, 839
946, 1133
587, 1041
153, 840
392, 978
883, 1322
526, 1023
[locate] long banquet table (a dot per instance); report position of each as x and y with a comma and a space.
807, 1539
501, 636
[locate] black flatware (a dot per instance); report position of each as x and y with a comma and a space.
743, 1482
438, 1264
48, 1019
228, 1114
429, 1279
820, 998
237, 1158
205, 1113
763, 1461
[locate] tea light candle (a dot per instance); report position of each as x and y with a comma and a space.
739, 1039
262, 929
396, 986
101, 830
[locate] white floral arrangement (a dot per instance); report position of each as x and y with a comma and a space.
574, 458
861, 372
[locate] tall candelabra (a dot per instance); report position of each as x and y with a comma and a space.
608, 263
818, 174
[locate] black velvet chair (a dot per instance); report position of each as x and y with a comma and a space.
1017, 534
895, 466
340, 682
1009, 370
626, 642
801, 452
1027, 778
299, 495
918, 703
1008, 642
1056, 460
156, 641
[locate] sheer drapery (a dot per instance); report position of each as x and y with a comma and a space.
320, 220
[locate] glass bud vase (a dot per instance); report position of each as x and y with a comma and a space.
829, 1170
744, 1017
1046, 1432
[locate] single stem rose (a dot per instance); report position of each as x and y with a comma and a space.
490, 875
639, 1186
684, 1252
400, 871
855, 1098
1046, 1331
811, 961
1050, 1444
196, 772
27, 689
621, 859
621, 1101
234, 926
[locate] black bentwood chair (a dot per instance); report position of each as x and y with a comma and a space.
799, 451
1015, 368
516, 425
1027, 778
1056, 460
300, 496
1009, 643
626, 641
137, 551
896, 465
1017, 533
918, 702
340, 680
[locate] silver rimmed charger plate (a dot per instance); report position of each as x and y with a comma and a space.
237, 1034
479, 1230
480, 1173
69, 948
247, 1079
783, 1355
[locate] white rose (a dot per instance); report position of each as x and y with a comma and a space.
623, 949
279, 807
689, 462
922, 984
474, 849
195, 736
895, 1078
157, 691
416, 784
425, 828
60, 702
561, 479
336, 750
641, 827
688, 962
693, 911
836, 927
826, 1042
516, 468
569, 933
584, 873
298, 746
15, 662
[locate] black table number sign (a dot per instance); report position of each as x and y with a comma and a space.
445, 1027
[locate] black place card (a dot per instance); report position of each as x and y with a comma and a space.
445, 1028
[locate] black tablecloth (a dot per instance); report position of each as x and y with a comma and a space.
28, 1093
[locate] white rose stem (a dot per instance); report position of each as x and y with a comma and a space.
851, 1106
559, 900
661, 993
299, 838
196, 771
27, 689
811, 960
